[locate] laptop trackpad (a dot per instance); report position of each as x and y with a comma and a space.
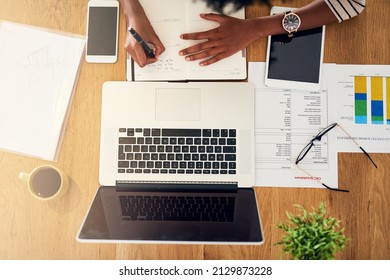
178, 104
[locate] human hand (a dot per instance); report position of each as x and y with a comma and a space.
142, 25
231, 36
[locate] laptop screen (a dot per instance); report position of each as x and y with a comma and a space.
113, 217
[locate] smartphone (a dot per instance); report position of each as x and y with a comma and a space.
295, 62
102, 31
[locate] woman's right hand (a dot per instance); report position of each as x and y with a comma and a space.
137, 19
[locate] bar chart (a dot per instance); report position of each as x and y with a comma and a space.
372, 100
388, 100
361, 94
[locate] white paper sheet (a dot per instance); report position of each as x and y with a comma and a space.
285, 121
38, 69
363, 107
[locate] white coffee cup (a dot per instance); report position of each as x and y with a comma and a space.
46, 182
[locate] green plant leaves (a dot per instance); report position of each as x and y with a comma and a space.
312, 235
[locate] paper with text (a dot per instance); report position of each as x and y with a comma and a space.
285, 122
171, 20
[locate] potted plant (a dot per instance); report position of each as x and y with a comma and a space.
312, 235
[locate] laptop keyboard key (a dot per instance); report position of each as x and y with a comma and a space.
182, 132
206, 132
229, 149
230, 157
127, 140
123, 164
147, 132
156, 132
130, 132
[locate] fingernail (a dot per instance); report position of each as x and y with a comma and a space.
188, 58
181, 53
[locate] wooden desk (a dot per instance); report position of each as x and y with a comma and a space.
32, 229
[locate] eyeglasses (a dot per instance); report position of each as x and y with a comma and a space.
318, 137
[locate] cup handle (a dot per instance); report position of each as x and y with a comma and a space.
24, 176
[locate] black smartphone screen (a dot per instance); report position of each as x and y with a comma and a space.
102, 29
296, 58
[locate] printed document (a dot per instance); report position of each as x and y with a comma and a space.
285, 122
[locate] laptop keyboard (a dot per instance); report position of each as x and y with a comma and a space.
177, 151
177, 208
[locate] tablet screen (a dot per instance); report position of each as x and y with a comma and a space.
297, 58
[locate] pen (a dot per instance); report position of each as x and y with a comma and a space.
148, 51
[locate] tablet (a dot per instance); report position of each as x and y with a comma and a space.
295, 62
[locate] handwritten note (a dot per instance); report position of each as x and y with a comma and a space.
38, 70
170, 21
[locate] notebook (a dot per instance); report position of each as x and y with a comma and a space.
171, 20
176, 165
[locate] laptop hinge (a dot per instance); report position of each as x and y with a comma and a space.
174, 186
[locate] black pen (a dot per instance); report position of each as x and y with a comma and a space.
148, 51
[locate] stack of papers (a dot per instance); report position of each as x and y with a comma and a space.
38, 70
357, 97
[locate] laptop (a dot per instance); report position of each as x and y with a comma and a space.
176, 165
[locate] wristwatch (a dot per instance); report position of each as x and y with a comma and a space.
291, 22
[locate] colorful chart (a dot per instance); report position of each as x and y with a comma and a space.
388, 99
360, 100
372, 100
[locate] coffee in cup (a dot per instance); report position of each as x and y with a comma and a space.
46, 182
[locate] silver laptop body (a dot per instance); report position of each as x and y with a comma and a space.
149, 132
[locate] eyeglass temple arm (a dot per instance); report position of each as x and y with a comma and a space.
372, 161
368, 157
325, 185
333, 189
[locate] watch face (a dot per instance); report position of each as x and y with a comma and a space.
291, 22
